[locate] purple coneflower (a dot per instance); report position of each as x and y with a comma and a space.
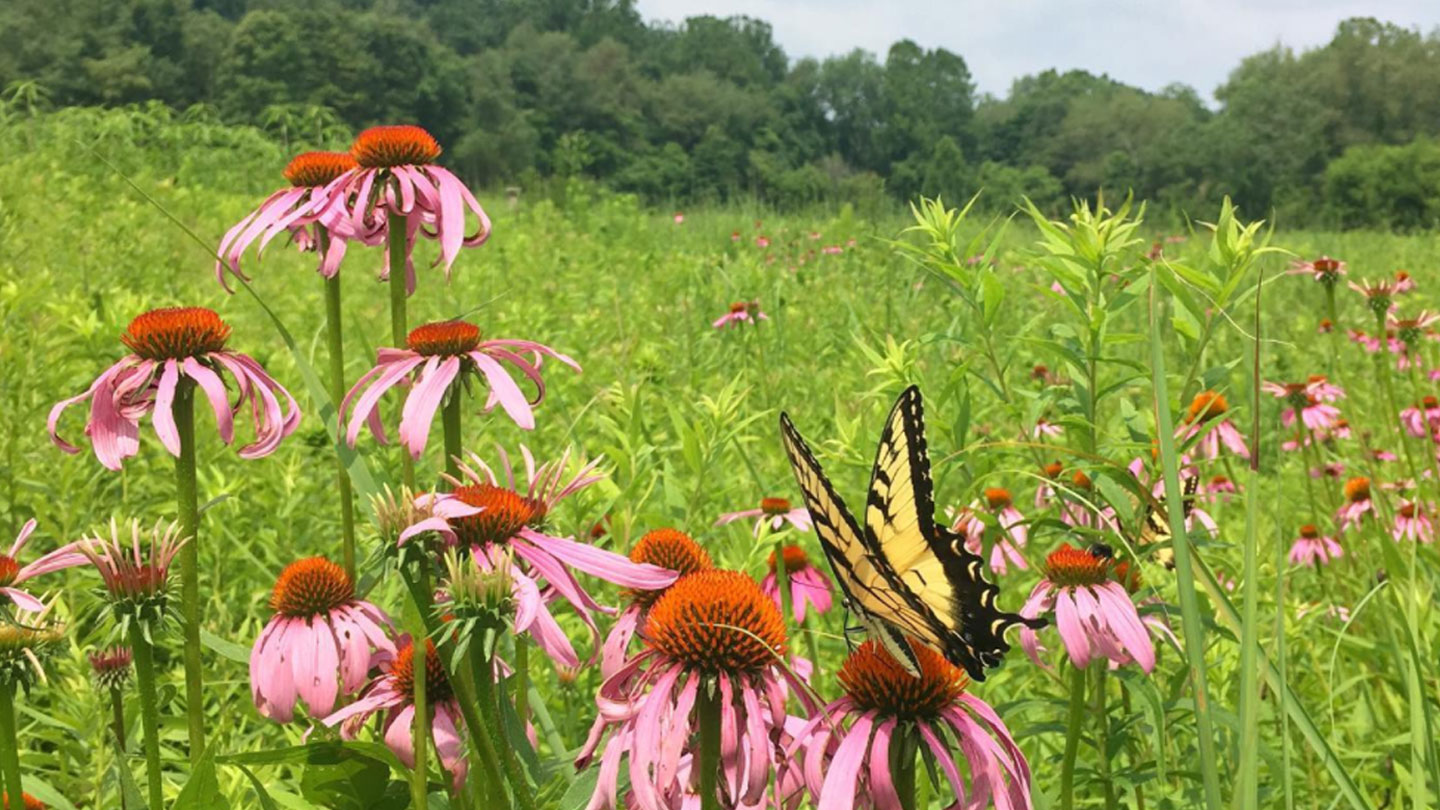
321, 643
1045, 428
1325, 270
1310, 401
488, 514
848, 751
807, 583
425, 197
1206, 419
1013, 532
714, 638
1093, 612
438, 359
1379, 295
773, 512
393, 692
670, 549
1357, 502
170, 347
741, 312
1413, 522
1313, 548
296, 209
12, 573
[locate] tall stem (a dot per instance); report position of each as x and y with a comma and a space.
189, 507
1074, 722
782, 580
144, 656
334, 333
492, 724
399, 330
708, 710
1102, 736
117, 721
420, 728
10, 746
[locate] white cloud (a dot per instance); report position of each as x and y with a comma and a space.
1149, 43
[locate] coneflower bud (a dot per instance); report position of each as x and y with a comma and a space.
111, 667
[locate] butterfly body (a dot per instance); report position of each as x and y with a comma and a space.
907, 579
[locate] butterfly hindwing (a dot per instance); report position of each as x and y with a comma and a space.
1155, 529
903, 575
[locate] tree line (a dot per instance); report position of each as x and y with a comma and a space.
713, 109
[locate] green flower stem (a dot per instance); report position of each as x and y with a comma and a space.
707, 707
399, 328
144, 657
117, 712
1075, 720
423, 594
902, 765
1102, 734
334, 334
9, 744
189, 507
450, 418
491, 724
522, 679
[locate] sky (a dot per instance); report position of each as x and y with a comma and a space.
1147, 43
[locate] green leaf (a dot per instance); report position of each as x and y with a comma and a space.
579, 793
261, 795
349, 781
227, 649
42, 790
202, 789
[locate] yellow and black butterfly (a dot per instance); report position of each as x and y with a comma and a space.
903, 576
1155, 537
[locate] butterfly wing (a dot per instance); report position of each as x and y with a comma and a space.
867, 594
1155, 531
951, 606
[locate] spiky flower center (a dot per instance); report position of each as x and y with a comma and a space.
1325, 264
15, 638
1207, 405
1068, 566
717, 621
672, 549
505, 513
1080, 480
774, 507
875, 681
9, 571
402, 672
1407, 509
311, 587
1127, 575
1430, 402
111, 667
738, 306
1220, 482
795, 559
174, 333
444, 338
387, 147
1310, 531
998, 498
312, 169
1357, 489
1053, 469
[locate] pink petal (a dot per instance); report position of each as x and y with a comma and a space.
420, 406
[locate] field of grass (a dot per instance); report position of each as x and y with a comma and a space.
1338, 706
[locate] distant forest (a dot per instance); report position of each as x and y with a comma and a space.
712, 109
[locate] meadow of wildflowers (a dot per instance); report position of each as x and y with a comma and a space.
442, 499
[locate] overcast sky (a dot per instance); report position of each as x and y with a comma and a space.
1149, 43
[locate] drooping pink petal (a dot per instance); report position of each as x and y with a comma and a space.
424, 399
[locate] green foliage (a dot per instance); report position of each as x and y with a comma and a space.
1375, 186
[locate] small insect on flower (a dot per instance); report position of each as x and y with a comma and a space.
808, 584
1093, 612
772, 512
740, 313
846, 753
713, 631
170, 349
320, 643
1313, 548
12, 573
437, 362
